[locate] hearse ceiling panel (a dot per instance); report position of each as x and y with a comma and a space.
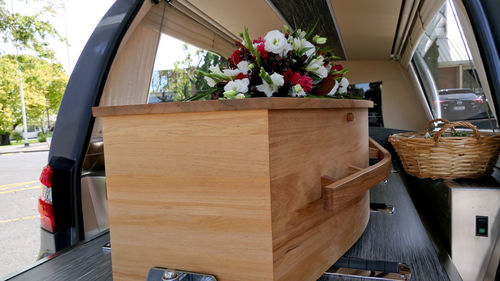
305, 14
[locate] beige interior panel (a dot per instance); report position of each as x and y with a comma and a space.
401, 107
367, 27
130, 75
177, 24
234, 15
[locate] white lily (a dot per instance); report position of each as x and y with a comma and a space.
343, 85
316, 66
243, 67
269, 89
312, 49
215, 69
231, 72
301, 43
240, 85
210, 81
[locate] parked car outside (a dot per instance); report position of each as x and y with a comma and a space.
461, 104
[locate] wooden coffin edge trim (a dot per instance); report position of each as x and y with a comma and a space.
337, 194
228, 105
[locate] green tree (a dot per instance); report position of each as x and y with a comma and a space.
44, 83
181, 82
28, 32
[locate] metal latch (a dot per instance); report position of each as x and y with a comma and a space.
168, 274
369, 269
381, 208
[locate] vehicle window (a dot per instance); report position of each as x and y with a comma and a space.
173, 77
370, 91
447, 71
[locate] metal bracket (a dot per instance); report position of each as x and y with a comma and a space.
168, 274
106, 248
382, 208
403, 273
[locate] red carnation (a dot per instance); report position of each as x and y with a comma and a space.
295, 78
305, 82
337, 67
235, 57
288, 76
258, 41
262, 50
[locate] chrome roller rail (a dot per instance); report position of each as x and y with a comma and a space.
167, 274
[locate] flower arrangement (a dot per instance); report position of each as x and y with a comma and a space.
281, 64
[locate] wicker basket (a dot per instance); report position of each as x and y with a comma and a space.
432, 155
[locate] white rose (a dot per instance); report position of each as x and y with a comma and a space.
269, 89
239, 96
210, 81
240, 85
243, 67
343, 85
276, 43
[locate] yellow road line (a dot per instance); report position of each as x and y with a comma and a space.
16, 184
19, 189
20, 219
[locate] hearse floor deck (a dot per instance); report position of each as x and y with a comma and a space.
399, 237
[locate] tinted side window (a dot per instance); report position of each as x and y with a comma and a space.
448, 73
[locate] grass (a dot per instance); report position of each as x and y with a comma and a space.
14, 142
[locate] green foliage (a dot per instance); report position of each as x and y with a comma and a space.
28, 32
182, 82
43, 83
17, 136
42, 137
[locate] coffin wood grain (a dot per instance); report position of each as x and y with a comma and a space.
337, 195
185, 193
236, 194
228, 105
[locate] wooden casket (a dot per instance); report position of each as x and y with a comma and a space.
245, 190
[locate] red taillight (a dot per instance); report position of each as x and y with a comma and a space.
479, 100
46, 215
45, 200
46, 176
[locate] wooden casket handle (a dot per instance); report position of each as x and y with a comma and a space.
337, 194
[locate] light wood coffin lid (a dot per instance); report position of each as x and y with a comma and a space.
228, 105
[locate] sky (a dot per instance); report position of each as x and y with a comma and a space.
77, 22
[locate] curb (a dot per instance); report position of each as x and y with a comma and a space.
20, 152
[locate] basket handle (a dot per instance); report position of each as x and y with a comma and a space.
428, 124
452, 125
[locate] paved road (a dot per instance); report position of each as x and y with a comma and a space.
19, 219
